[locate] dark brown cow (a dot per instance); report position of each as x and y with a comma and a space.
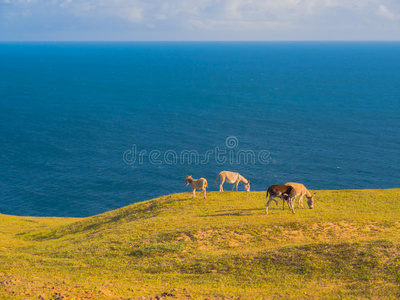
285, 192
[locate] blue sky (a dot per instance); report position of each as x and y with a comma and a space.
188, 20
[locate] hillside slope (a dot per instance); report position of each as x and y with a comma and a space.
348, 246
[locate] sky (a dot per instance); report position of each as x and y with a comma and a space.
199, 20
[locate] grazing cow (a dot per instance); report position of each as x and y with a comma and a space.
285, 192
302, 191
199, 184
232, 177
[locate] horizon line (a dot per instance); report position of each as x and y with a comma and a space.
196, 41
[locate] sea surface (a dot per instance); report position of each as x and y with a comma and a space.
90, 127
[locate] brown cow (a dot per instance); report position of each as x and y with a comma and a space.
285, 192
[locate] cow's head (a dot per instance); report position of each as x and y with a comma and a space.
188, 179
247, 186
310, 201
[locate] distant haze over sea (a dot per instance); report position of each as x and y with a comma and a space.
89, 127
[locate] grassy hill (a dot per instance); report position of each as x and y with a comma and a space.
224, 247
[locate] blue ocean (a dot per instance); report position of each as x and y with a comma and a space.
90, 127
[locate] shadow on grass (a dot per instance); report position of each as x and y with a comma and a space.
235, 212
149, 250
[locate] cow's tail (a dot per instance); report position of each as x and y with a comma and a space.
216, 180
267, 193
206, 184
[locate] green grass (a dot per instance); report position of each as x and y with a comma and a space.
347, 247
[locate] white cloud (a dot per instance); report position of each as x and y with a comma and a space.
181, 8
235, 25
216, 17
134, 14
386, 13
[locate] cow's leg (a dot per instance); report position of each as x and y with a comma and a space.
291, 203
301, 201
221, 189
205, 192
283, 203
194, 193
269, 201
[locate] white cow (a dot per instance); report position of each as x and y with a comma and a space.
232, 177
